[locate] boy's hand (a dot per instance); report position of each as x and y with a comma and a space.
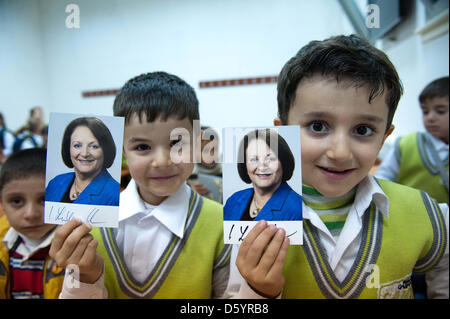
73, 244
261, 258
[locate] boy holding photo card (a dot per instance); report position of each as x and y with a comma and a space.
363, 237
169, 243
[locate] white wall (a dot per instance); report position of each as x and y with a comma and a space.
418, 64
197, 40
23, 81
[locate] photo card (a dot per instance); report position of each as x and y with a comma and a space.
262, 181
82, 179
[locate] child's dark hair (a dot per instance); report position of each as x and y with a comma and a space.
156, 94
437, 88
23, 164
344, 58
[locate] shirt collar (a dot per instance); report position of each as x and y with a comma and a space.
368, 190
437, 143
172, 212
12, 235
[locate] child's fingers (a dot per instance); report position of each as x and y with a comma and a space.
71, 243
250, 238
61, 234
277, 267
79, 250
259, 245
91, 264
272, 251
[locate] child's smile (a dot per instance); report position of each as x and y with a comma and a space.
341, 133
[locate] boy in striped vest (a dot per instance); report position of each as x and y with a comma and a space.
420, 159
169, 243
363, 237
26, 269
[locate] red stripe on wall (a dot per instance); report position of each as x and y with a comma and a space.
99, 93
202, 85
238, 81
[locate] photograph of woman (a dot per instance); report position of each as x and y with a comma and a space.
88, 147
268, 168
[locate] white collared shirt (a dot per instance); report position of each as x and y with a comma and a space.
145, 230
390, 166
29, 246
342, 253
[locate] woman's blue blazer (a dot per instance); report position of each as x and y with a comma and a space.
103, 190
285, 204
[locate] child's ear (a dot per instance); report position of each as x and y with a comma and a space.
277, 121
386, 135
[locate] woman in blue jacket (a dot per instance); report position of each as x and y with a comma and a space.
89, 148
266, 161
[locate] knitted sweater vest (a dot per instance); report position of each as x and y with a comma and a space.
186, 267
413, 238
416, 169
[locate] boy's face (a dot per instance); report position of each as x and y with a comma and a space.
435, 117
23, 203
341, 133
158, 164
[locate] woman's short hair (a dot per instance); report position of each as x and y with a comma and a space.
283, 153
101, 133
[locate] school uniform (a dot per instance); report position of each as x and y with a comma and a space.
26, 269
410, 163
390, 231
285, 204
173, 250
102, 190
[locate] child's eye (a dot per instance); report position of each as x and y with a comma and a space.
16, 201
317, 127
364, 130
142, 147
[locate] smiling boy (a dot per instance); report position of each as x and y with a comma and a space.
169, 243
363, 237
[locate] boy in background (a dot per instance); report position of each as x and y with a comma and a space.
26, 269
169, 243
363, 237
420, 159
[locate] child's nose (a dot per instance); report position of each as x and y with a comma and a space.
33, 211
339, 148
430, 117
161, 159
